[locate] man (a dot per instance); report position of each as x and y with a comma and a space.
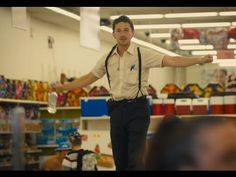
55, 162
79, 159
127, 68
203, 143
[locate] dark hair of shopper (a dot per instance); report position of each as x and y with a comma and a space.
124, 19
173, 142
75, 139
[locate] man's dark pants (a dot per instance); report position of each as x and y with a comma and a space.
129, 124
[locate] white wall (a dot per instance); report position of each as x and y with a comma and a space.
25, 54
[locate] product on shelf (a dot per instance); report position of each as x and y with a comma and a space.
200, 106
193, 88
211, 89
3, 87
106, 161
170, 88
73, 97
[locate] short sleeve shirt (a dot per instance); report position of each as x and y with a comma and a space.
123, 71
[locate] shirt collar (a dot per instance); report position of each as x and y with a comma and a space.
130, 50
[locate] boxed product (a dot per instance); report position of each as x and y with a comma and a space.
168, 106
94, 106
200, 106
217, 105
157, 106
229, 104
183, 106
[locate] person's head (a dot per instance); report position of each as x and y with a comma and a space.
75, 139
220, 76
199, 144
123, 30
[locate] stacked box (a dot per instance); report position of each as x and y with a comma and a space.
183, 106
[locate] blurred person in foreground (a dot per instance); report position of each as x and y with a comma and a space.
203, 143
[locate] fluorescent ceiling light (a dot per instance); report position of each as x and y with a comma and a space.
64, 12
143, 16
196, 47
231, 46
197, 14
185, 41
159, 26
231, 40
143, 43
188, 41
204, 52
204, 25
107, 29
229, 13
160, 35
167, 41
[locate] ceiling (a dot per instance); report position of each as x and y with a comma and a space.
106, 12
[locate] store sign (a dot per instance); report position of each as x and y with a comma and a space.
19, 17
90, 27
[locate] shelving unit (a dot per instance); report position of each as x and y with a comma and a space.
102, 123
6, 100
30, 130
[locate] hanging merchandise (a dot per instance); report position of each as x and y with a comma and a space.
218, 37
191, 33
232, 32
176, 34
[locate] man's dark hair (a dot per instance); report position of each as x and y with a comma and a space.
174, 141
75, 139
124, 19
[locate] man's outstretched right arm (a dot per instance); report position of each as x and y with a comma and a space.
77, 83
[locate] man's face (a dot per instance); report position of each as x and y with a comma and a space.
216, 148
123, 33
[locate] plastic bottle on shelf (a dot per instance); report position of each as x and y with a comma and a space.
52, 102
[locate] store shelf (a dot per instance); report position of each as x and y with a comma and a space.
64, 108
8, 164
161, 116
5, 132
96, 118
32, 163
5, 153
34, 151
48, 146
22, 101
32, 132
